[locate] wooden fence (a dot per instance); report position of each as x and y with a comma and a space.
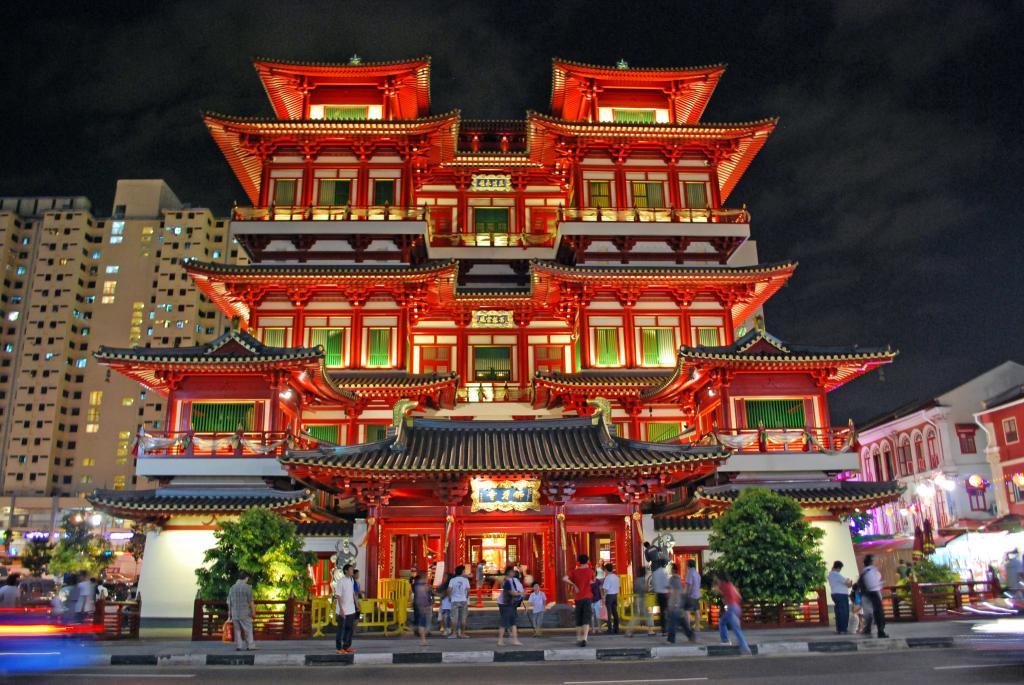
120, 620
934, 601
274, 620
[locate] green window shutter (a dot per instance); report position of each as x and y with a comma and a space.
708, 336
658, 346
648, 195
490, 220
324, 432
274, 337
333, 342
376, 432
775, 413
696, 195
284, 192
333, 192
379, 340
633, 116
222, 417
600, 194
607, 346
658, 431
345, 113
383, 192
492, 363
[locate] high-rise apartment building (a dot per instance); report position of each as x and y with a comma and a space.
72, 282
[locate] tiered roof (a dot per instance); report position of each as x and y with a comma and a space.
159, 504
837, 496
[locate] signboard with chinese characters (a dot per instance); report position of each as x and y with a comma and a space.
505, 495
492, 318
501, 183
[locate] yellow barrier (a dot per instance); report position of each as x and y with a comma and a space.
393, 594
321, 615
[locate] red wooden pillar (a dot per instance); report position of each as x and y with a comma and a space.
621, 198
451, 545
560, 552
362, 185
674, 199
636, 549
357, 339
629, 330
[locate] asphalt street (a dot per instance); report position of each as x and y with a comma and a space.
910, 667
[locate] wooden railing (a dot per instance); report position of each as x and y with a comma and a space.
815, 439
655, 214
120, 620
237, 444
493, 392
523, 240
329, 213
284, 620
934, 601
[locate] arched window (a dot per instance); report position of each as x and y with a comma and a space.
876, 465
890, 469
906, 464
933, 450
919, 452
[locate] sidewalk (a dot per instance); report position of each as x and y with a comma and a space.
554, 646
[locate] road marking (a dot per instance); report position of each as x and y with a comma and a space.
962, 667
120, 675
645, 680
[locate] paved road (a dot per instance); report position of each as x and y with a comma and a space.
912, 667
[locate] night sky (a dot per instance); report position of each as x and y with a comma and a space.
894, 177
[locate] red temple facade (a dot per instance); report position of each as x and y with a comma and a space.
502, 340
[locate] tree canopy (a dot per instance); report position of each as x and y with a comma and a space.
265, 546
767, 547
79, 549
36, 556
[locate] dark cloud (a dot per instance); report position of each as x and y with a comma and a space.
893, 178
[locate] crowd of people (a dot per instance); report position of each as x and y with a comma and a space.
74, 602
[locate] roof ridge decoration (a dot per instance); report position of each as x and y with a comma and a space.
257, 349
603, 417
347, 64
614, 68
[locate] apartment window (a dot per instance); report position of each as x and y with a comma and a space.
96, 397
127, 401
967, 444
116, 232
492, 363
333, 342
119, 482
919, 452
633, 116
976, 496
696, 193
273, 336
323, 432
376, 432
903, 458
334, 191
490, 220
659, 431
600, 193
607, 340
285, 190
113, 269
648, 194
1010, 430
775, 413
88, 461
435, 359
222, 417
379, 347
383, 192
346, 112
86, 480
933, 450
658, 346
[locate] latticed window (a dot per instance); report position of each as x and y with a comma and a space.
346, 112
375, 432
659, 431
222, 417
273, 337
435, 358
607, 340
284, 191
906, 464
919, 452
492, 363
384, 192
933, 451
648, 194
659, 346
696, 194
633, 116
490, 220
379, 347
334, 191
333, 342
775, 413
548, 358
324, 432
600, 193
708, 336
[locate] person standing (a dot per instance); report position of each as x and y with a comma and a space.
677, 603
538, 604
839, 587
458, 592
872, 584
422, 605
241, 609
444, 611
10, 593
1013, 572
659, 586
729, 619
346, 610
509, 599
650, 554
580, 579
85, 605
692, 589
610, 591
641, 588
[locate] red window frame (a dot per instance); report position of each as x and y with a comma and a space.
919, 453
556, 364
440, 366
977, 499
967, 442
933, 450
904, 460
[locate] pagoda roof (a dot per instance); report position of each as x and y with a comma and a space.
323, 529
243, 139
674, 521
284, 80
834, 495
699, 83
232, 352
551, 386
398, 384
740, 141
161, 503
570, 446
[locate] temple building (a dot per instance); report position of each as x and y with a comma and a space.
507, 341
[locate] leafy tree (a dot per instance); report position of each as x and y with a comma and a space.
927, 571
79, 549
137, 544
767, 547
264, 545
36, 556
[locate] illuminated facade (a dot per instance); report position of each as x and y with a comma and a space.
511, 339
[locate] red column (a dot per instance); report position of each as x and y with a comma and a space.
629, 330
451, 555
636, 550
561, 590
372, 550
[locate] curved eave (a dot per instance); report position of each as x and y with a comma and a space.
156, 510
443, 389
841, 369
835, 504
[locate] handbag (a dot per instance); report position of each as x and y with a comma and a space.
227, 631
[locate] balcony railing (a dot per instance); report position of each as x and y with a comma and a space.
817, 439
523, 240
239, 444
655, 214
493, 392
329, 213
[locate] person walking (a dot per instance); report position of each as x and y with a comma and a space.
538, 605
677, 616
691, 586
580, 579
458, 593
241, 609
509, 599
659, 586
729, 619
650, 554
641, 588
1013, 573
422, 605
346, 610
444, 611
610, 592
871, 585
596, 604
839, 587
10, 593
85, 605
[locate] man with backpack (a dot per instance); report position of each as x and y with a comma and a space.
508, 606
870, 585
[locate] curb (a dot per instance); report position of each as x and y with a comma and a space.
526, 655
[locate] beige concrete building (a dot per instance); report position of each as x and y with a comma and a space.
72, 282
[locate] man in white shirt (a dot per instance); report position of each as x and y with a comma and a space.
610, 592
691, 601
86, 603
659, 586
458, 593
872, 584
839, 588
10, 593
345, 607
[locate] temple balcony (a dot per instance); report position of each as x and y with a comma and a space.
791, 450
493, 392
188, 453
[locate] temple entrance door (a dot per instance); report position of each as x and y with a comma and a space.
499, 544
602, 541
407, 547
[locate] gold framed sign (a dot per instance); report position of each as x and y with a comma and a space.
492, 318
505, 495
501, 183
